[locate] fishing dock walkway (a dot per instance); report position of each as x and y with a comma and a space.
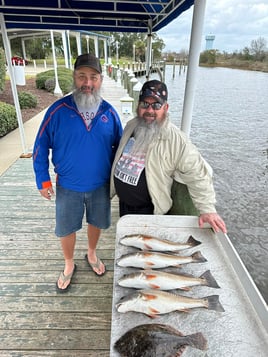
34, 319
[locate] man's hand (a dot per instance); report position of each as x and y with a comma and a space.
47, 192
214, 220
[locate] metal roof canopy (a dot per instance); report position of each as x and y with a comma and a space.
88, 15
106, 15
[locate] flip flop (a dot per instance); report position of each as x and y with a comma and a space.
95, 265
64, 278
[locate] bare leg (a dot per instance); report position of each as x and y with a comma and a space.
67, 244
93, 234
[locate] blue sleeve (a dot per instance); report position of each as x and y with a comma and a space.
41, 153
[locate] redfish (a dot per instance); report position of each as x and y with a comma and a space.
156, 302
146, 242
152, 279
157, 340
149, 260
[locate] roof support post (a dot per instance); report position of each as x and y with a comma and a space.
78, 43
57, 90
193, 63
65, 49
105, 45
149, 50
96, 45
13, 84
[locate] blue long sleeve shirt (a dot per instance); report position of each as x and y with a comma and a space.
82, 156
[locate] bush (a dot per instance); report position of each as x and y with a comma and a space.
27, 100
8, 118
65, 84
46, 80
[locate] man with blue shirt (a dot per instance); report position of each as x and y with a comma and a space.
82, 131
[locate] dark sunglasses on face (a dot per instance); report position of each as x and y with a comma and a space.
155, 105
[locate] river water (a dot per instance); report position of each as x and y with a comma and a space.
230, 128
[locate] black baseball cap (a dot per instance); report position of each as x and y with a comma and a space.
88, 60
154, 89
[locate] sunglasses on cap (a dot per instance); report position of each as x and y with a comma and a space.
155, 105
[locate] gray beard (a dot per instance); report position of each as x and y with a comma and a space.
83, 100
144, 134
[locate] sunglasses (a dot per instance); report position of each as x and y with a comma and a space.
155, 105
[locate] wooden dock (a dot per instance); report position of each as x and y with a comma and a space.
35, 320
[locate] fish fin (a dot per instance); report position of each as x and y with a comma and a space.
149, 264
147, 246
209, 280
154, 286
147, 254
193, 242
146, 237
198, 257
152, 316
184, 310
148, 296
150, 276
154, 312
197, 340
214, 303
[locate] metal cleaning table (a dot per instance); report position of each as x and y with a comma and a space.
242, 330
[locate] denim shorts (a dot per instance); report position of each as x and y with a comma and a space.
71, 206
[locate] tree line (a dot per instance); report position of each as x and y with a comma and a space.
128, 45
256, 52
132, 46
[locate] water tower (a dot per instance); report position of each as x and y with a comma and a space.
209, 42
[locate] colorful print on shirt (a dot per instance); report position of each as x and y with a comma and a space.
129, 167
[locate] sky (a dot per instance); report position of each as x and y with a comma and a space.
234, 23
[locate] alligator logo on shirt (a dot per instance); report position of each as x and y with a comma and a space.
104, 118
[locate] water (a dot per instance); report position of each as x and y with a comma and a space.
230, 128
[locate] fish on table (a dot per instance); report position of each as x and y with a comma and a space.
147, 242
157, 302
149, 260
149, 340
154, 279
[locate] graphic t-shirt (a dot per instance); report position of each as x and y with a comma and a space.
88, 113
130, 179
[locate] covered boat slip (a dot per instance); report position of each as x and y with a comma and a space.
242, 330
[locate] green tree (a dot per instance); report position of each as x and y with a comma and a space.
208, 57
127, 40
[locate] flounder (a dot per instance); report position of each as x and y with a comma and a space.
157, 340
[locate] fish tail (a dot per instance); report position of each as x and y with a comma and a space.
210, 280
197, 340
214, 303
198, 257
193, 242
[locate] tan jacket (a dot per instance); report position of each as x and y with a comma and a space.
170, 157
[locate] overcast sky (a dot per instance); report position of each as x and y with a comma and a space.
234, 23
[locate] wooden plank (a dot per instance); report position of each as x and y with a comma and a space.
51, 320
57, 303
56, 353
50, 277
38, 289
44, 265
54, 339
14, 254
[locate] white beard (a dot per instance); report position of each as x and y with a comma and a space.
144, 134
84, 100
